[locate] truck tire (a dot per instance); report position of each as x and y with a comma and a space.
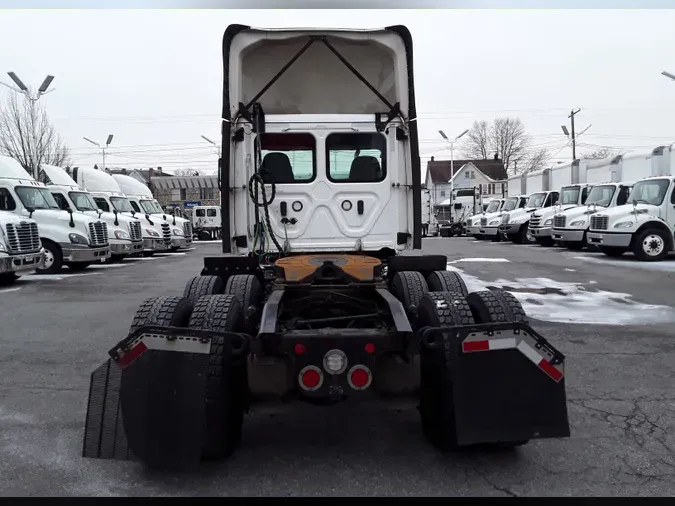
246, 288
446, 281
8, 279
496, 306
203, 285
53, 258
163, 312
78, 267
651, 245
611, 251
409, 287
440, 309
226, 387
524, 236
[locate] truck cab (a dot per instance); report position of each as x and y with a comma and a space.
474, 223
515, 224
644, 225
141, 199
541, 222
570, 227
429, 221
124, 232
207, 222
20, 248
68, 238
108, 196
489, 223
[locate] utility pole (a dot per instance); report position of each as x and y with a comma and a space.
574, 139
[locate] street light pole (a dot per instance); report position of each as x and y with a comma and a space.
668, 75
211, 142
23, 89
452, 162
102, 148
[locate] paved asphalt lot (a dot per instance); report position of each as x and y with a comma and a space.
53, 333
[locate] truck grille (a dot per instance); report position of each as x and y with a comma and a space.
98, 233
535, 221
187, 229
559, 221
166, 232
135, 230
23, 238
599, 222
483, 222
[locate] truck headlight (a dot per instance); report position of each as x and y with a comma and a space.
578, 223
3, 249
494, 222
78, 239
152, 233
548, 223
177, 231
121, 234
624, 224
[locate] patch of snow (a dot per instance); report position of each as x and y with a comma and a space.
217, 241
571, 270
55, 277
667, 265
573, 303
495, 260
5, 290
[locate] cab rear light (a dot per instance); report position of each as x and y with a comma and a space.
310, 378
359, 377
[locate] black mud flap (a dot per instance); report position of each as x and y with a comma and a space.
148, 402
506, 383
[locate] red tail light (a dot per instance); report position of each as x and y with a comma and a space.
310, 378
359, 377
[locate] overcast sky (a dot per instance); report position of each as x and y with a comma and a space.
154, 78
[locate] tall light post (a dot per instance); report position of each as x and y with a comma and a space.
214, 144
23, 89
102, 148
452, 161
668, 75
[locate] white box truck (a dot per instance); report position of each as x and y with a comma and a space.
109, 197
207, 222
645, 224
124, 232
20, 248
68, 238
141, 198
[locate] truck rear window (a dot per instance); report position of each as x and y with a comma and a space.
288, 157
356, 157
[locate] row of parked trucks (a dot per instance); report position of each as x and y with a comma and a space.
78, 218
617, 204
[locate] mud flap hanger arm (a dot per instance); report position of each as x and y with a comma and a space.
394, 110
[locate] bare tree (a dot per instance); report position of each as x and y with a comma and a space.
187, 172
600, 153
534, 161
27, 135
508, 139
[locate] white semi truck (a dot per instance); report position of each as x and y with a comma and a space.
124, 232
207, 222
489, 223
644, 225
68, 238
109, 197
474, 223
20, 248
142, 200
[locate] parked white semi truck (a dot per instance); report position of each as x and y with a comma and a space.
20, 248
141, 198
474, 223
109, 197
645, 224
489, 223
68, 238
124, 232
429, 221
207, 222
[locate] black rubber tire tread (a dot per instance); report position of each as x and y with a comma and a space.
409, 287
163, 312
446, 281
58, 258
246, 288
203, 285
496, 306
445, 309
637, 245
226, 384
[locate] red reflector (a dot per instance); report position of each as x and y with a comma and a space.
310, 378
300, 349
132, 354
370, 348
554, 373
470, 346
360, 378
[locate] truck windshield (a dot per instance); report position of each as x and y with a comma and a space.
493, 206
121, 204
601, 195
82, 201
569, 195
536, 200
651, 192
510, 204
150, 207
37, 198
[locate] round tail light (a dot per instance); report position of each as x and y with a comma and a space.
310, 378
359, 377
